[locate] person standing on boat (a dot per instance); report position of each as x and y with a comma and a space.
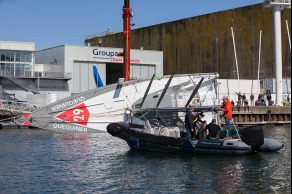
197, 122
189, 117
227, 113
202, 130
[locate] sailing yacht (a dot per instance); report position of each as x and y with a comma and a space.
92, 111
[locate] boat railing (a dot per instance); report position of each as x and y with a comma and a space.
18, 107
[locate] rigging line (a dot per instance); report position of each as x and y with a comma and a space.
10, 118
134, 83
237, 132
127, 98
90, 116
192, 81
143, 115
104, 114
194, 92
75, 108
207, 93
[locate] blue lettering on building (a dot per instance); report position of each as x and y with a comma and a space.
100, 53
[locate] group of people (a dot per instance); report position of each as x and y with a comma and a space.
242, 101
198, 128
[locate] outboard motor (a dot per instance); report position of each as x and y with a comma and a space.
253, 136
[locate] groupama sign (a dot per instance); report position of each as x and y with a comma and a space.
112, 55
105, 54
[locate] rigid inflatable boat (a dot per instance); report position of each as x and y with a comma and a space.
168, 139
162, 129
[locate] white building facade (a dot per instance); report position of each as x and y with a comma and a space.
92, 67
16, 58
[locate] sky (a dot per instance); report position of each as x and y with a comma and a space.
50, 23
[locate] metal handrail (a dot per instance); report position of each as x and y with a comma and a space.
45, 74
18, 107
277, 2
99, 34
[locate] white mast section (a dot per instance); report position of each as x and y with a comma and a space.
260, 50
259, 65
277, 6
278, 54
288, 32
234, 47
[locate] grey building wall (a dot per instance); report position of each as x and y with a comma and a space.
78, 61
204, 43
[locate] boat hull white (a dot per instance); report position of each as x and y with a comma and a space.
92, 111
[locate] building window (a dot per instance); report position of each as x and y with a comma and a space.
17, 56
2, 56
2, 68
16, 63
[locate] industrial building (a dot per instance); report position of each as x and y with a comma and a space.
66, 70
20, 76
91, 67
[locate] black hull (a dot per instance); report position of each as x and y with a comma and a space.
138, 140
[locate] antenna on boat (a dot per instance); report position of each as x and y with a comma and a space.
146, 93
164, 91
194, 92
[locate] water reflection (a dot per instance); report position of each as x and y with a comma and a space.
40, 161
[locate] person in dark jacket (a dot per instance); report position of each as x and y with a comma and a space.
233, 104
246, 106
269, 98
243, 98
189, 117
197, 123
239, 97
212, 130
251, 100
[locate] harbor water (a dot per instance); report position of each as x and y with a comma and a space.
40, 161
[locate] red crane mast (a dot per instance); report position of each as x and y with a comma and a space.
127, 15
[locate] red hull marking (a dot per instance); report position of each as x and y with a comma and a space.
78, 114
25, 116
